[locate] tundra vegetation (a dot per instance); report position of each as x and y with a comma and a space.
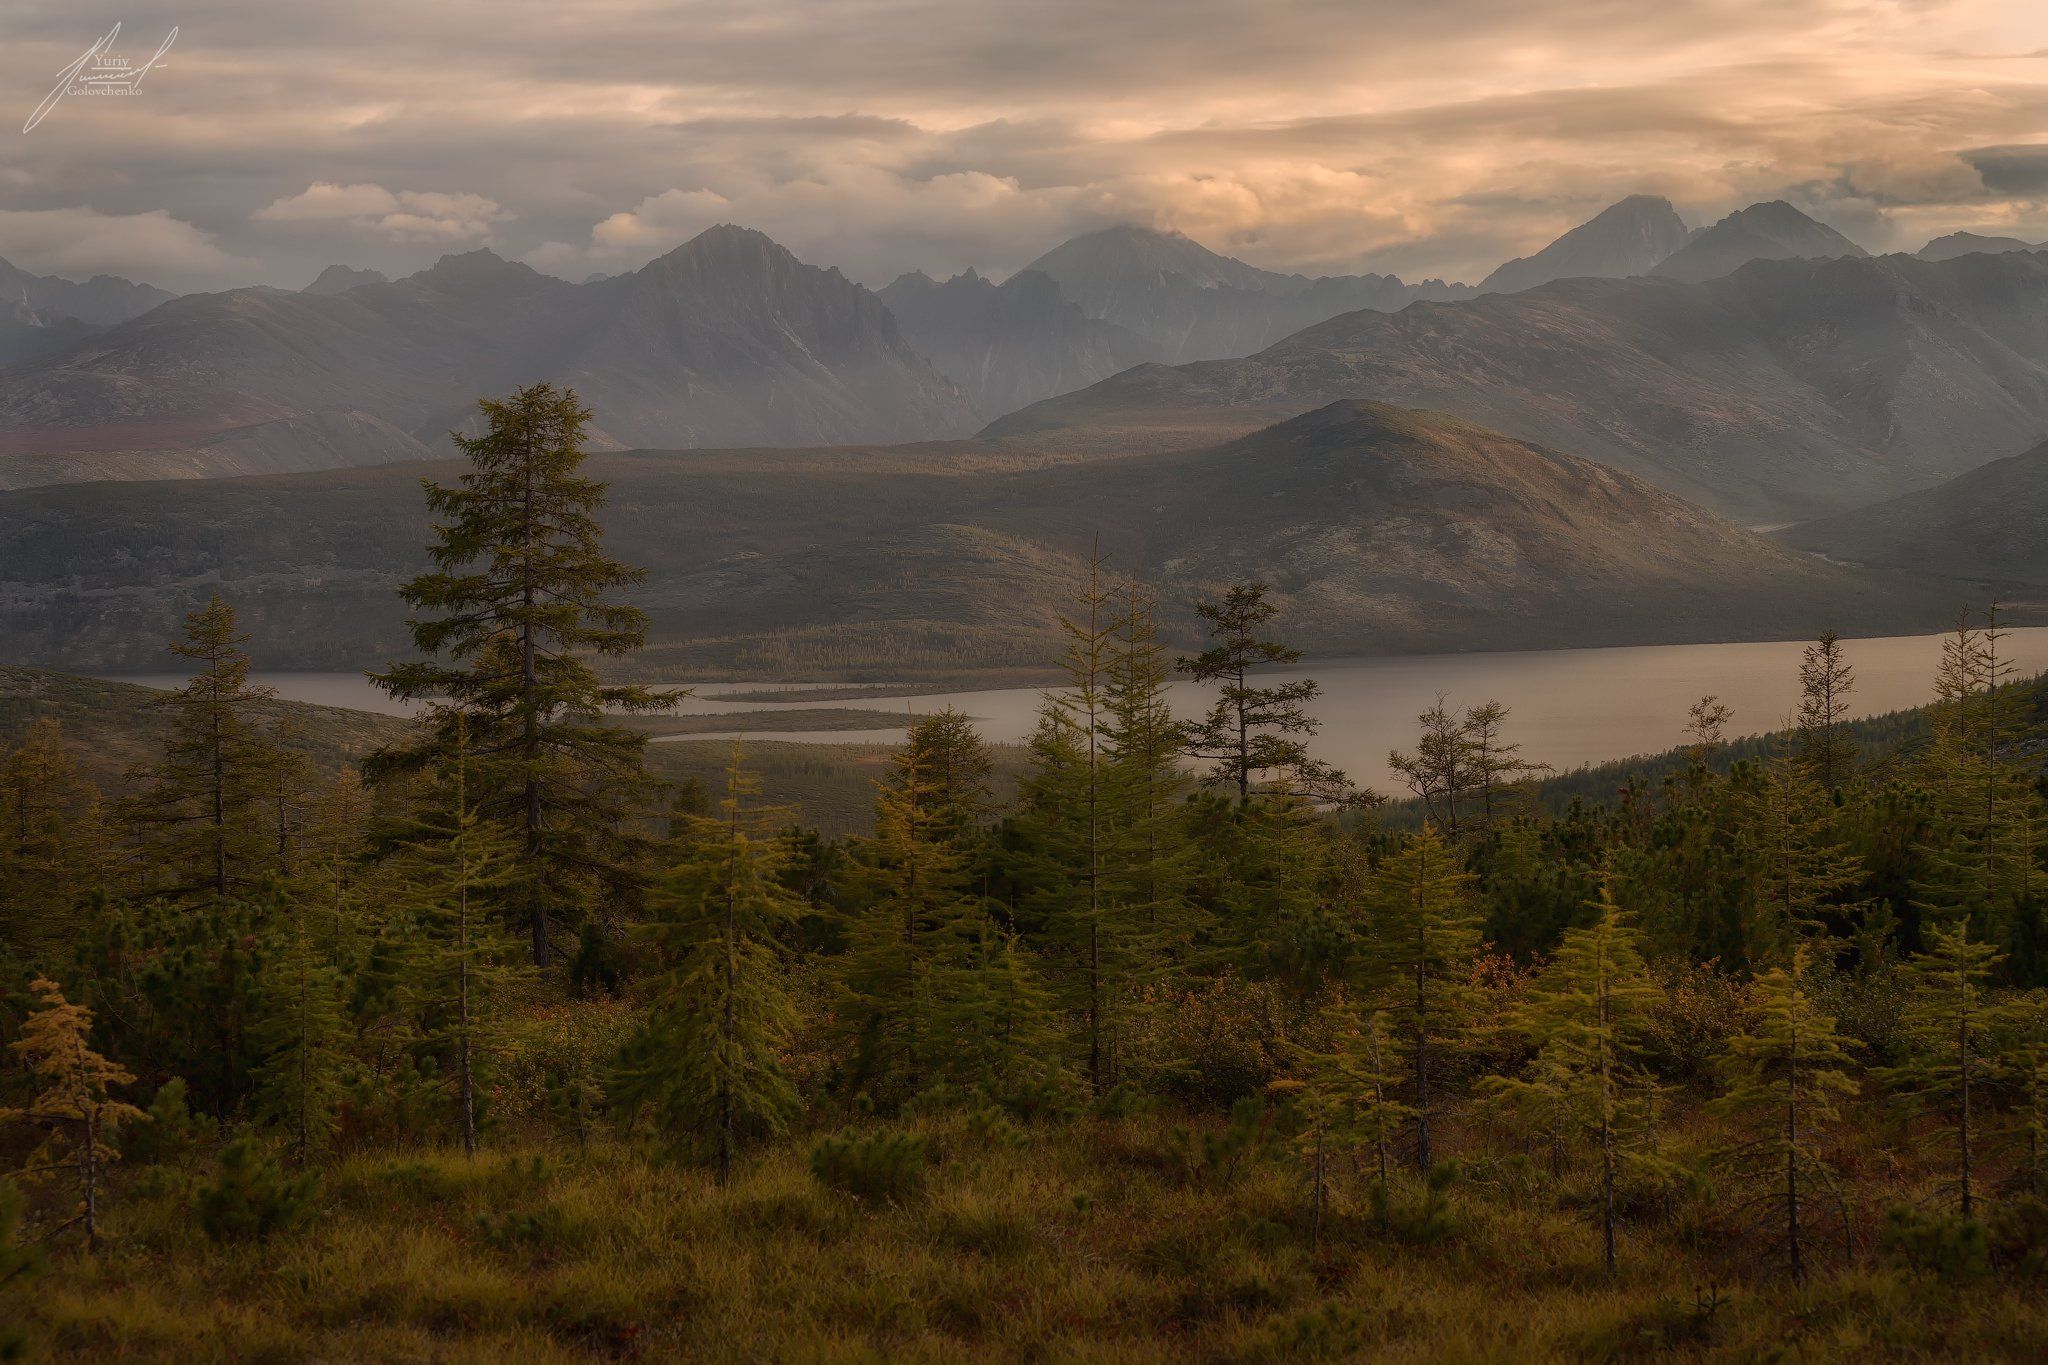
498, 1048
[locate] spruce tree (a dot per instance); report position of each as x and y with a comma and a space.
1426, 938
520, 598
1785, 1078
1251, 730
709, 1058
1953, 1042
205, 806
1825, 682
73, 1106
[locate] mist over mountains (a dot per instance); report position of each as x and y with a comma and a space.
912, 473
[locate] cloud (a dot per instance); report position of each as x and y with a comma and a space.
153, 247
1318, 135
406, 215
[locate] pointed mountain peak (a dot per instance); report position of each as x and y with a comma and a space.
339, 279
1625, 238
1770, 231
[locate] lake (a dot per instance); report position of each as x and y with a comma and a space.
1567, 707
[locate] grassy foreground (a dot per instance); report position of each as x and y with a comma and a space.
1098, 1239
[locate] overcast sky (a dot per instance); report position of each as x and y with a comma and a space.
883, 135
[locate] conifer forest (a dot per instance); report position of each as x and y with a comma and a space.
1176, 1044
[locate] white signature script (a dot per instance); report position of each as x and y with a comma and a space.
101, 71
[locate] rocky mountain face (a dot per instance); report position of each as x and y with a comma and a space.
726, 340
1627, 238
1383, 530
339, 279
1011, 344
102, 300
1194, 304
1786, 390
1982, 527
1970, 243
43, 314
1773, 231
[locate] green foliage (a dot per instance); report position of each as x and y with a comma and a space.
520, 598
708, 1061
249, 1197
880, 1166
1946, 1245
1252, 731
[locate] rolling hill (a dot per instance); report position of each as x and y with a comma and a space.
1983, 526
1383, 530
1787, 390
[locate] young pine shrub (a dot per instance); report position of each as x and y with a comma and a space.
250, 1197
885, 1166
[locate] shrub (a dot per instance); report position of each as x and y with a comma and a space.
173, 1129
1940, 1244
251, 1198
877, 1167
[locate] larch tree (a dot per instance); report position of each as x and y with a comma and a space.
1954, 1043
1251, 730
1426, 938
205, 803
904, 940
1142, 740
1803, 867
73, 1105
301, 1033
709, 1061
1825, 682
1357, 1082
56, 848
522, 596
1439, 773
1588, 1015
446, 878
1785, 1078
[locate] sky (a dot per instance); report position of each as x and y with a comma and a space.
1325, 136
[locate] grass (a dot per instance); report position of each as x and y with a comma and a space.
1089, 1244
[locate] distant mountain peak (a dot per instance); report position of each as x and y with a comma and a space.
1625, 238
1974, 244
339, 279
1770, 231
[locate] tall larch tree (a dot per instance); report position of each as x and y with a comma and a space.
1804, 869
205, 805
1785, 1078
1250, 731
520, 600
1589, 1016
56, 846
1954, 1043
1426, 938
1825, 682
301, 1033
709, 1059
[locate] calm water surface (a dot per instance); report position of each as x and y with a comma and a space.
1566, 707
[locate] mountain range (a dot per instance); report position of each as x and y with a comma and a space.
1382, 529
42, 314
1011, 344
1786, 390
728, 339
1194, 304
